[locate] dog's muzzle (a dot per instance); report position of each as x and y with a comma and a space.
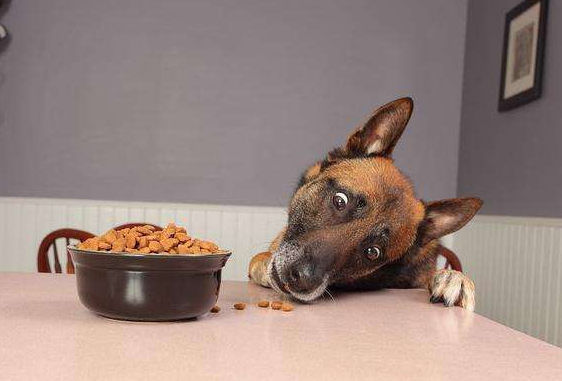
292, 272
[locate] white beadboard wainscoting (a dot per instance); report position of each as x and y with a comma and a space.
516, 264
25, 221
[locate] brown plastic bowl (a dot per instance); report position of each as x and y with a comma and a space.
147, 287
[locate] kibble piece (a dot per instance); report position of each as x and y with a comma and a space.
204, 245
125, 231
215, 309
263, 303
131, 240
134, 233
287, 307
181, 237
143, 230
144, 250
240, 306
110, 236
168, 243
129, 250
118, 245
276, 305
155, 247
104, 245
169, 231
183, 249
149, 227
90, 244
143, 242
173, 251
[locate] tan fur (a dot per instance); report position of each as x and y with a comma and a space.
312, 171
257, 270
386, 215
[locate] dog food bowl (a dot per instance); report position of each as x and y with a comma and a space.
147, 287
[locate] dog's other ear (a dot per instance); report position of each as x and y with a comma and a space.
383, 129
447, 216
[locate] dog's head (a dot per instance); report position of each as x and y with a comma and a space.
355, 211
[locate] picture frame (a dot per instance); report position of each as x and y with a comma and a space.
524, 44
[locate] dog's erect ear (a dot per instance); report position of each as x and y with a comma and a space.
447, 216
383, 129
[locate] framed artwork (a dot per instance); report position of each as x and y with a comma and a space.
523, 54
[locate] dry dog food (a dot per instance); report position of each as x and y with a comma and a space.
146, 239
286, 307
215, 309
276, 305
240, 306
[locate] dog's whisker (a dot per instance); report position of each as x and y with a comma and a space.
330, 295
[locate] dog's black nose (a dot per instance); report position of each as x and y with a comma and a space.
303, 278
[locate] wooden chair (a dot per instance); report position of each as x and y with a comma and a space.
451, 260
50, 240
133, 224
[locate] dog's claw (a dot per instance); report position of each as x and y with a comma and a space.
452, 288
434, 299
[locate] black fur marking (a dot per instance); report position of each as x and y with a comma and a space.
403, 273
357, 206
338, 154
378, 237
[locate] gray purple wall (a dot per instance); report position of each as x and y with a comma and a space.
220, 101
513, 160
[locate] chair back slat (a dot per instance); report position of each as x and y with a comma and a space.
43, 265
56, 261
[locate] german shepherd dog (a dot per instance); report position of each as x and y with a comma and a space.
354, 222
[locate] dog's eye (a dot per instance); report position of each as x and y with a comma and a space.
340, 201
373, 252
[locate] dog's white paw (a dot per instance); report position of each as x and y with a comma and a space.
452, 288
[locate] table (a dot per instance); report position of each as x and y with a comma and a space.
46, 334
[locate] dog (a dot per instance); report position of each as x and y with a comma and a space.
354, 222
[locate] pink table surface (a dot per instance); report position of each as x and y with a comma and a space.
46, 334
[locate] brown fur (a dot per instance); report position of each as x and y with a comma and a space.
324, 241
